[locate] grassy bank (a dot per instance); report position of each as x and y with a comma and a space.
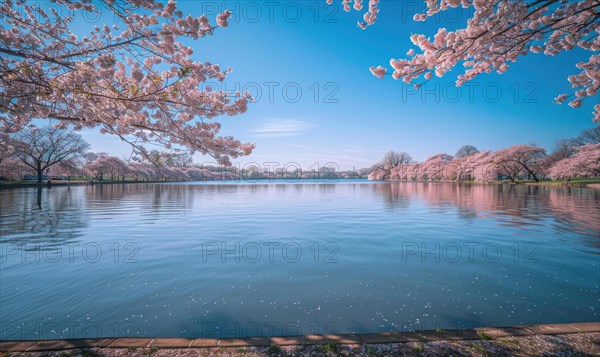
582, 182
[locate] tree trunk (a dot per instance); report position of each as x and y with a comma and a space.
530, 173
39, 172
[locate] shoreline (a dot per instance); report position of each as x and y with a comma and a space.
595, 185
62, 183
333, 341
592, 185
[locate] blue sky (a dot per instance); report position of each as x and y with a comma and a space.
307, 64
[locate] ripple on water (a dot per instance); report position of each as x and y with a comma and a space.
198, 259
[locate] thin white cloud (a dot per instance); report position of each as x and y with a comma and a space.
312, 148
282, 128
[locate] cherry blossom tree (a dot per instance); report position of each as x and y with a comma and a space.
378, 174
133, 77
198, 174
465, 166
69, 168
96, 169
161, 161
486, 170
513, 163
13, 169
141, 171
450, 171
586, 162
107, 166
406, 172
173, 173
433, 168
518, 159
497, 34
5, 147
41, 148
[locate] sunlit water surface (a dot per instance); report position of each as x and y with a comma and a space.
230, 260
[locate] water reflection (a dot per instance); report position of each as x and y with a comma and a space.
517, 206
37, 215
172, 290
60, 211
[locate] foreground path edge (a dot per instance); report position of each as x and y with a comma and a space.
368, 338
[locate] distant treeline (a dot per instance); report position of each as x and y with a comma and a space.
50, 153
570, 158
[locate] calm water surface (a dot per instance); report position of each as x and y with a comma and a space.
229, 260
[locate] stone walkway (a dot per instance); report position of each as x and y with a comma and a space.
577, 339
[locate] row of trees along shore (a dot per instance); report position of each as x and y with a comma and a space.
569, 159
43, 153
46, 152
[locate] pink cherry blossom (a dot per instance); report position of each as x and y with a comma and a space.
520, 161
136, 80
517, 162
379, 71
498, 33
586, 162
223, 17
369, 17
107, 167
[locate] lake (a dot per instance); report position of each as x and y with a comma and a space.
288, 258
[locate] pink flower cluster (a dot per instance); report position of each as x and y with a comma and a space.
155, 166
586, 162
513, 163
497, 34
138, 82
369, 17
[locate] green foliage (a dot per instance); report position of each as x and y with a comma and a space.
330, 347
419, 348
479, 348
508, 341
371, 351
274, 350
131, 349
485, 336
150, 351
84, 353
